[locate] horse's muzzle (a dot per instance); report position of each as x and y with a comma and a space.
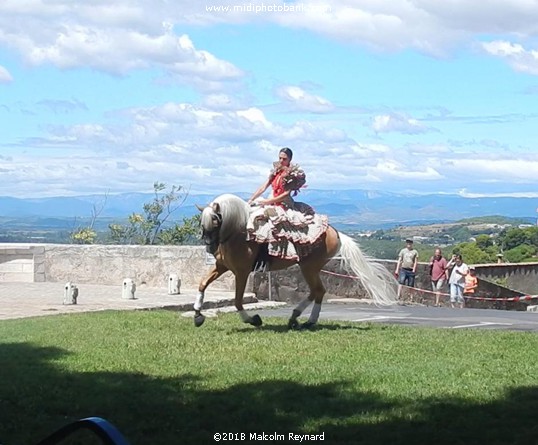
211, 241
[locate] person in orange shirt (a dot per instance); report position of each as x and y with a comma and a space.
471, 282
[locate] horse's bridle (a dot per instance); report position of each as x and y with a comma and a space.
211, 238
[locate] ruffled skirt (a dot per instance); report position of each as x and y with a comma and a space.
291, 233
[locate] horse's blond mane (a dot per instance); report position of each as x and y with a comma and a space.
234, 212
206, 219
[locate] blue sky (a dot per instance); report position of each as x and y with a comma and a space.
414, 96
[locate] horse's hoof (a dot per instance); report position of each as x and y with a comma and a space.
293, 324
199, 320
256, 321
308, 325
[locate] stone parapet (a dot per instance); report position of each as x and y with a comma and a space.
522, 277
290, 286
108, 264
22, 263
152, 266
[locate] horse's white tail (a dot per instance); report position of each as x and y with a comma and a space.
376, 279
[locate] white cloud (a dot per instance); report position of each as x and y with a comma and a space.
227, 141
130, 35
5, 76
429, 26
428, 149
223, 102
214, 150
63, 106
254, 115
382, 25
496, 168
517, 56
208, 148
393, 169
396, 122
486, 16
300, 100
465, 194
112, 38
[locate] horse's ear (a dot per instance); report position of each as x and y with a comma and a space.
216, 207
199, 207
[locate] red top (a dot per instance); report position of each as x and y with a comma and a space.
438, 268
286, 179
277, 184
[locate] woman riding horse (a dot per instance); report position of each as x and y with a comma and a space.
288, 228
280, 233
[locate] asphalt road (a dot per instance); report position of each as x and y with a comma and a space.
443, 318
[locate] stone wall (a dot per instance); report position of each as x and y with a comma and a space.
290, 286
152, 265
106, 264
522, 277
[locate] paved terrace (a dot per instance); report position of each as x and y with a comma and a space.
19, 300
32, 280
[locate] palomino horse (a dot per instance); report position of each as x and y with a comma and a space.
224, 231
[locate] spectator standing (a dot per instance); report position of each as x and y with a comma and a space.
471, 282
457, 280
438, 273
406, 267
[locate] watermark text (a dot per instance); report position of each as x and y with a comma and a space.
260, 8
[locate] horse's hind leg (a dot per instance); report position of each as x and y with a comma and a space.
296, 313
317, 291
240, 285
217, 270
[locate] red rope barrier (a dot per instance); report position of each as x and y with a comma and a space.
339, 274
468, 297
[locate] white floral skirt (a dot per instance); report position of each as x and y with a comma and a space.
290, 233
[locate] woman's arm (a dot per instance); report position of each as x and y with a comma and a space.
260, 190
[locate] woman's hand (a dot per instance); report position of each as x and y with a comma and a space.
258, 202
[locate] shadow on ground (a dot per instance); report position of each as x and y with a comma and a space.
283, 327
180, 411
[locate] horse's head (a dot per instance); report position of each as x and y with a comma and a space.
221, 220
211, 221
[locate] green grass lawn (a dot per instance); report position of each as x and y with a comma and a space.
162, 381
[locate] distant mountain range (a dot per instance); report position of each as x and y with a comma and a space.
353, 208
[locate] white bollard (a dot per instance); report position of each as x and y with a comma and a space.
128, 290
174, 284
70, 293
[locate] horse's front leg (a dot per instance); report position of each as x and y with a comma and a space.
217, 270
240, 285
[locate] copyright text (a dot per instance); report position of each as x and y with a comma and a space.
271, 437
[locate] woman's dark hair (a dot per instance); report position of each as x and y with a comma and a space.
288, 152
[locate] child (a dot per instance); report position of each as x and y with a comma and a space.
471, 282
